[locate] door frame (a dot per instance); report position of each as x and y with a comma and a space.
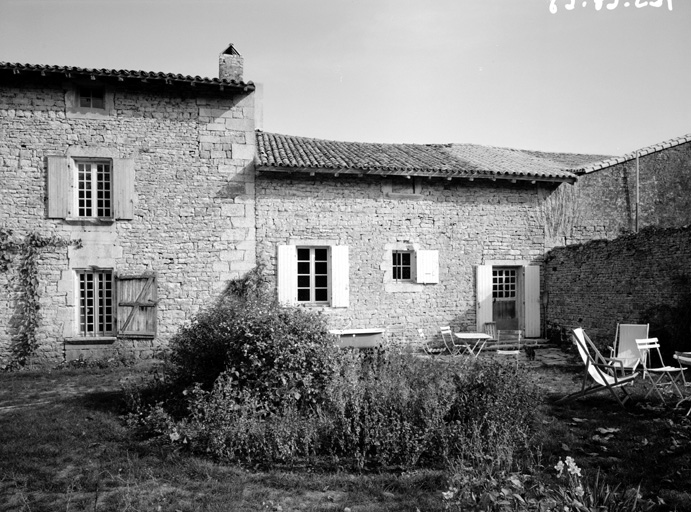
528, 303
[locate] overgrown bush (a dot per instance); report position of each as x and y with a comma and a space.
382, 409
266, 350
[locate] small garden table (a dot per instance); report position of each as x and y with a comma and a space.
467, 339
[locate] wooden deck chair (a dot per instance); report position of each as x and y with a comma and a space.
598, 371
509, 343
625, 348
661, 375
427, 345
447, 338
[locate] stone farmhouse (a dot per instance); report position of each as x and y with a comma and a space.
164, 189
153, 172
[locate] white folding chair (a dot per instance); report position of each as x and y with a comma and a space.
427, 345
447, 338
509, 343
625, 348
684, 361
659, 376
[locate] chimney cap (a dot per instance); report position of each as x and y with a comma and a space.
230, 50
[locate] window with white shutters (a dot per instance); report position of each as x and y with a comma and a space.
313, 275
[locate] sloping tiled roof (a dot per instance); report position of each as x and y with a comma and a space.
277, 152
122, 74
611, 161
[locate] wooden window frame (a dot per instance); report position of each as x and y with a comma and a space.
101, 208
312, 275
85, 94
399, 268
101, 309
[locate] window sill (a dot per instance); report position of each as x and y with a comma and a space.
88, 113
96, 340
408, 287
401, 195
93, 221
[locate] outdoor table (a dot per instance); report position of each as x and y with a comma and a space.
467, 338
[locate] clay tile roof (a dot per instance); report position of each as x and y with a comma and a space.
277, 152
609, 162
122, 74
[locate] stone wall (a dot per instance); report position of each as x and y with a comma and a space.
636, 278
602, 204
469, 223
193, 221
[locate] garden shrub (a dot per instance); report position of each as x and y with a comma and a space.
272, 352
382, 409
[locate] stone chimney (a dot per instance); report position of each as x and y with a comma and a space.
230, 64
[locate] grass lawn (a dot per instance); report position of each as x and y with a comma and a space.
64, 446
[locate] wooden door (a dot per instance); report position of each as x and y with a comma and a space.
505, 304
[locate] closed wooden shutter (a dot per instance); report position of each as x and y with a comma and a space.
123, 188
60, 201
340, 280
483, 280
286, 277
532, 301
427, 267
137, 298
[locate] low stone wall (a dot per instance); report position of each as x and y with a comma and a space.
636, 278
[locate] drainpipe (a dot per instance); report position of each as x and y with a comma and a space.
638, 188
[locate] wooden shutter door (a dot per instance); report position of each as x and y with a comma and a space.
483, 280
340, 280
137, 298
123, 188
286, 275
532, 301
427, 267
59, 187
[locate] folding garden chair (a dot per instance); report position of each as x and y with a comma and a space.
625, 348
427, 345
666, 375
684, 360
447, 338
597, 371
509, 343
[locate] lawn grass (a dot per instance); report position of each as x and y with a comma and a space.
64, 446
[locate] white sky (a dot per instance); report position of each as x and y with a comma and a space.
494, 72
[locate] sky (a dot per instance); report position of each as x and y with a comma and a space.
525, 74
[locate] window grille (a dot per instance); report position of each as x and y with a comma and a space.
402, 265
96, 303
94, 189
92, 97
504, 283
313, 274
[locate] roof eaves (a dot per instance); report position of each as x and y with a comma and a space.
121, 75
648, 150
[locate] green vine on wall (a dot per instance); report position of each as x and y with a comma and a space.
25, 252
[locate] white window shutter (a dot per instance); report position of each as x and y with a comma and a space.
340, 281
427, 267
60, 200
532, 301
123, 188
483, 281
287, 270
